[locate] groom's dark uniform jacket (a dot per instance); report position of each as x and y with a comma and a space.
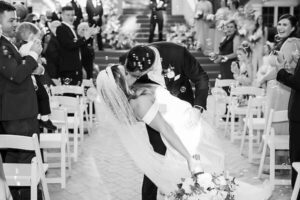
187, 69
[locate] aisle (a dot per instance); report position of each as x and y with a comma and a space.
104, 170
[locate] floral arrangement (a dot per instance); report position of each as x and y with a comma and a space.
112, 33
183, 35
205, 186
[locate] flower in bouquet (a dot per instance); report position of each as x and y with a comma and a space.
210, 17
199, 15
205, 181
242, 32
221, 25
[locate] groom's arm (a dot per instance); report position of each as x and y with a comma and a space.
193, 70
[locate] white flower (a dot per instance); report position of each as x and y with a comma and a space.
221, 181
205, 180
186, 185
210, 17
242, 31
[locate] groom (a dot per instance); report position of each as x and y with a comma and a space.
179, 68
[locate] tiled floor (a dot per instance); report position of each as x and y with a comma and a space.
105, 171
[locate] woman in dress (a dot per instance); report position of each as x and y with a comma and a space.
221, 16
183, 130
203, 8
287, 44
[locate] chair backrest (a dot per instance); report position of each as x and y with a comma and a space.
87, 83
16, 142
256, 106
21, 143
225, 82
59, 114
70, 89
56, 81
276, 117
247, 90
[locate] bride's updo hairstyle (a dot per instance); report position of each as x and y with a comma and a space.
139, 58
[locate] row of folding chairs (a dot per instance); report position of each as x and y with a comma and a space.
258, 123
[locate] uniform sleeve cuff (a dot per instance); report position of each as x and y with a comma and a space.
33, 54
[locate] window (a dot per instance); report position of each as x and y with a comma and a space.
268, 16
283, 10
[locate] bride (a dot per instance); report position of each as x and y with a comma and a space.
192, 145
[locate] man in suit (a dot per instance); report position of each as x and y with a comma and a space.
18, 101
94, 9
70, 67
179, 67
293, 81
78, 13
157, 7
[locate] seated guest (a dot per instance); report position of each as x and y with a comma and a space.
27, 33
243, 69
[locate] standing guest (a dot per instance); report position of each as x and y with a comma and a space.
78, 13
233, 9
293, 81
70, 66
221, 17
18, 101
157, 7
87, 51
203, 8
51, 50
94, 9
227, 51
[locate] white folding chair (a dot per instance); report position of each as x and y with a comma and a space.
234, 109
296, 166
57, 82
77, 91
220, 96
25, 174
254, 122
58, 141
275, 142
87, 84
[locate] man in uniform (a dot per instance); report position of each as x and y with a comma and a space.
18, 101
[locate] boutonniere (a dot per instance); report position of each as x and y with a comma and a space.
169, 72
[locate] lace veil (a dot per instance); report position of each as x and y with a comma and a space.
155, 73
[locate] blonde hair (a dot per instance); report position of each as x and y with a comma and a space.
25, 29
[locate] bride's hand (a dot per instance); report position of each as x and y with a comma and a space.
194, 164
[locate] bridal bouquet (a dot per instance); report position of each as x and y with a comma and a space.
205, 186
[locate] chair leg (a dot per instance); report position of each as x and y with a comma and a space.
243, 137
250, 150
63, 165
33, 191
272, 165
227, 121
262, 160
232, 127
296, 188
75, 141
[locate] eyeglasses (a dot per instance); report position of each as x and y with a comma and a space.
36, 21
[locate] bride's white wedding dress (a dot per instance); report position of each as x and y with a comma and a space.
196, 134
